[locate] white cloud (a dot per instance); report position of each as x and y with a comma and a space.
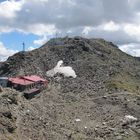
86, 30
132, 49
110, 26
5, 29
4, 52
31, 48
132, 30
117, 21
41, 41
8, 8
64, 14
37, 0
39, 29
107, 27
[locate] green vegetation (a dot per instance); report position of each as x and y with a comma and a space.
124, 81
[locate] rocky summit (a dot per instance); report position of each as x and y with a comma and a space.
101, 103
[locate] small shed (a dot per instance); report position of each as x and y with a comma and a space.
3, 81
29, 94
29, 85
19, 83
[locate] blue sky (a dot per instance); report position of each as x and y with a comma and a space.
14, 40
36, 21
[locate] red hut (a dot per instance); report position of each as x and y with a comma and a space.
30, 85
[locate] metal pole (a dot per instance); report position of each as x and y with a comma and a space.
23, 47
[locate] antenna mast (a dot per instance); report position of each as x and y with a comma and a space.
23, 46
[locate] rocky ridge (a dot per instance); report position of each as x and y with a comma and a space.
91, 106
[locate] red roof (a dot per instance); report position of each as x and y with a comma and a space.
26, 80
34, 78
20, 81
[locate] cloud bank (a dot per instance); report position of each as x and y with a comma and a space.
117, 21
4, 52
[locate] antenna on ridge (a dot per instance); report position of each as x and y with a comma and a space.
23, 44
56, 35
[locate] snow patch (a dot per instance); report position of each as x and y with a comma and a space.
67, 71
130, 118
77, 120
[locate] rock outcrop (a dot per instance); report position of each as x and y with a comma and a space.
94, 105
